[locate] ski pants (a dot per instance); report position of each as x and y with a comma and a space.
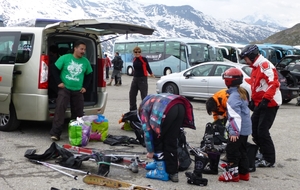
167, 141
64, 98
236, 153
107, 72
262, 121
137, 84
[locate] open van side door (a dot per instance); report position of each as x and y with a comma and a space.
9, 42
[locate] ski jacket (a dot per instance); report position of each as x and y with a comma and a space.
153, 110
264, 82
141, 67
220, 98
118, 63
107, 62
238, 114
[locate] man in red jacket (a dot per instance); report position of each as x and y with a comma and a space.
265, 101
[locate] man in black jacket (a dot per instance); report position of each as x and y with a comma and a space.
118, 65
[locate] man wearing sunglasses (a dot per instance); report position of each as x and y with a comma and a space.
141, 71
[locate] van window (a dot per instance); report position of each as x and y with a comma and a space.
25, 48
6, 48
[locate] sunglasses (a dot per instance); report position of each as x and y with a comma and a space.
137, 51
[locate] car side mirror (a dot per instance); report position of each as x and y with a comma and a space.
188, 74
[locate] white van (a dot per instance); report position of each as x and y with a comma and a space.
24, 67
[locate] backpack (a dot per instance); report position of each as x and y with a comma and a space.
135, 124
119, 64
183, 153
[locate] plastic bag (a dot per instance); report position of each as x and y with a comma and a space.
100, 126
79, 132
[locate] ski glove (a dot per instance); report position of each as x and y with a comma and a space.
263, 104
251, 105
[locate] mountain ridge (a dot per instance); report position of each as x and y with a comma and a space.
168, 21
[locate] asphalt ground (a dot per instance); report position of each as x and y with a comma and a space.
17, 173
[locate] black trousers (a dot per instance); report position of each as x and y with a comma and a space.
66, 97
167, 141
137, 84
262, 121
107, 72
236, 153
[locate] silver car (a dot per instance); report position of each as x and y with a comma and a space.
201, 81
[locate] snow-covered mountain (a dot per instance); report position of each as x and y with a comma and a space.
262, 20
169, 21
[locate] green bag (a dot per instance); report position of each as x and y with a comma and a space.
79, 133
100, 125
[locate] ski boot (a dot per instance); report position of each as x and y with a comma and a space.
159, 172
156, 157
230, 175
151, 165
104, 166
195, 178
213, 166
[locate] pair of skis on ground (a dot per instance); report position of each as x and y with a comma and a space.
104, 181
97, 179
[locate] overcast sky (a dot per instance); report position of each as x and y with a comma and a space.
287, 12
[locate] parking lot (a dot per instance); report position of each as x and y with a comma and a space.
16, 172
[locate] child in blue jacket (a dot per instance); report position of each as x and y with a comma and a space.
239, 127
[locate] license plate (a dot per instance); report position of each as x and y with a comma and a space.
295, 92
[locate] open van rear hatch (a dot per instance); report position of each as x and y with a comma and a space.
99, 27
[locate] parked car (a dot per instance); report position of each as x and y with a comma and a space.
203, 80
290, 63
200, 81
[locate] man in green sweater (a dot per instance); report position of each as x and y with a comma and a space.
72, 74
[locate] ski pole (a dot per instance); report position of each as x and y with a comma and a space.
89, 151
132, 167
58, 170
71, 169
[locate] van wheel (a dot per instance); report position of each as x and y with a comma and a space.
9, 122
130, 71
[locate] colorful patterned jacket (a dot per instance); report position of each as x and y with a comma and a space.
153, 110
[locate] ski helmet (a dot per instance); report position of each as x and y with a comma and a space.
233, 77
250, 51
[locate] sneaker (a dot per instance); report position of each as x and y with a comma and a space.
55, 138
174, 177
109, 84
263, 163
244, 177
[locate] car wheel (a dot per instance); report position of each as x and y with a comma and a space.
9, 122
286, 100
171, 88
167, 71
130, 71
